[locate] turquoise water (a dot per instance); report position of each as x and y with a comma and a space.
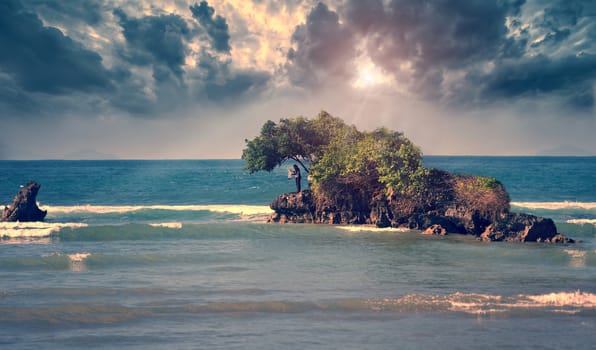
176, 255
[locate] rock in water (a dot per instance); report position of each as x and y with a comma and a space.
293, 207
450, 204
517, 227
435, 229
24, 206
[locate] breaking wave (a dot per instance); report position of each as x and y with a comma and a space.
582, 221
561, 302
167, 224
53, 261
135, 219
371, 228
25, 230
556, 205
574, 213
242, 210
472, 304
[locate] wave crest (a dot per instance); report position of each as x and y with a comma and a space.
105, 209
175, 225
473, 304
370, 228
478, 304
555, 205
37, 229
582, 221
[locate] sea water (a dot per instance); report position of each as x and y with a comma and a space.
178, 255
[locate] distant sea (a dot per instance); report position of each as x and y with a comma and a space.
177, 255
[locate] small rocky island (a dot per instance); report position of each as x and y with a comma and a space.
377, 178
455, 204
24, 205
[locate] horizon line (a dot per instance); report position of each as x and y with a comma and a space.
225, 158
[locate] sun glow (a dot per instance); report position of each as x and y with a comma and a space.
369, 75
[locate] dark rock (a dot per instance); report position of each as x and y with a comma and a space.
293, 207
24, 205
448, 204
471, 219
520, 228
559, 238
294, 203
435, 229
380, 215
492, 235
424, 221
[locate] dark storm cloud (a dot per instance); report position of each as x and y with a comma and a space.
43, 59
13, 100
219, 82
427, 45
558, 19
555, 64
155, 40
445, 34
365, 17
572, 77
160, 42
432, 37
553, 38
215, 26
45, 72
243, 83
88, 11
563, 13
323, 44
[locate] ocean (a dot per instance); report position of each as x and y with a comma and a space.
177, 254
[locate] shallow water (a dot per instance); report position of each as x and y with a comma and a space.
176, 254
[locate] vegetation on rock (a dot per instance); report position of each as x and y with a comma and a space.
377, 177
339, 157
299, 139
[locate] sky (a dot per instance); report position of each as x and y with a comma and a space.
179, 79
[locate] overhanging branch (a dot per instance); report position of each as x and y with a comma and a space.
301, 164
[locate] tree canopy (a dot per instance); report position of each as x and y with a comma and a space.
299, 139
338, 155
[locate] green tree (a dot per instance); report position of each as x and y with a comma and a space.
299, 139
341, 157
372, 160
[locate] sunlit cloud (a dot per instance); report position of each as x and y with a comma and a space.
227, 66
369, 75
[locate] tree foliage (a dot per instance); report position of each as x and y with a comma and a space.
299, 139
341, 157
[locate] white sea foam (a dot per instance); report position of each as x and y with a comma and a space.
78, 257
177, 225
17, 230
371, 228
561, 302
77, 261
480, 304
575, 299
556, 205
25, 240
582, 221
105, 209
576, 253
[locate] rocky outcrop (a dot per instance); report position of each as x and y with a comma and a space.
449, 204
294, 207
24, 205
520, 227
435, 229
